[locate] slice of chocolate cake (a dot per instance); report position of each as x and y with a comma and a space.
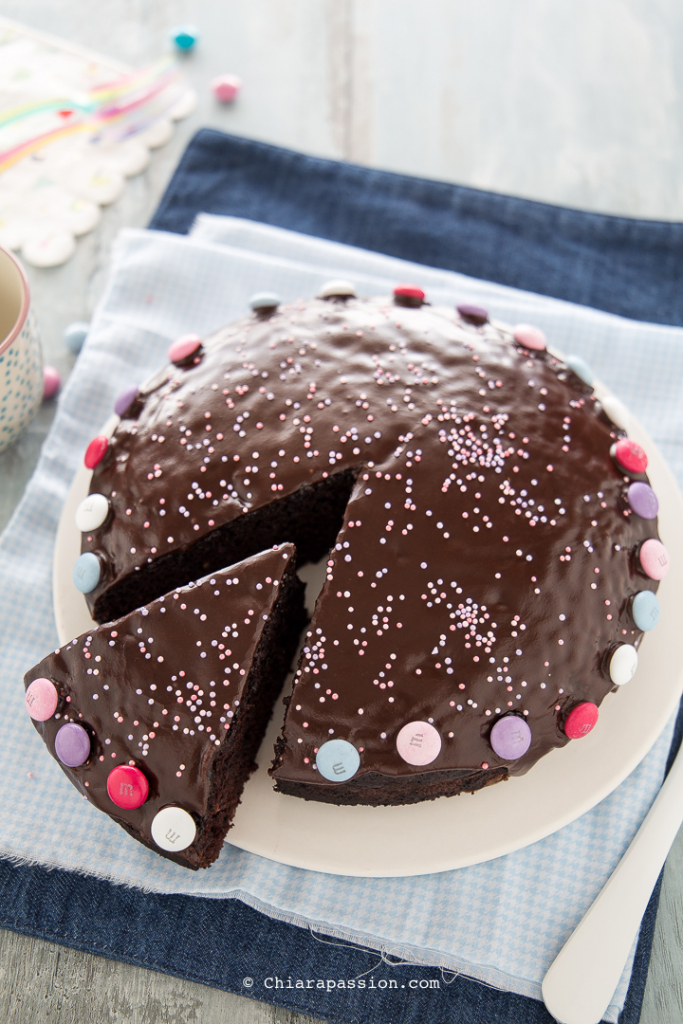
157, 717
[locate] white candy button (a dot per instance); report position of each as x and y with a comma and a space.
616, 411
418, 743
92, 512
334, 289
623, 664
173, 829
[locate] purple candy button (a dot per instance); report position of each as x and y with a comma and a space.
126, 399
473, 314
643, 500
72, 745
510, 737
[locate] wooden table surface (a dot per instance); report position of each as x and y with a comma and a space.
577, 104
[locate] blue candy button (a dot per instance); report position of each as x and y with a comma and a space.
264, 300
337, 760
645, 610
580, 368
74, 336
184, 36
87, 572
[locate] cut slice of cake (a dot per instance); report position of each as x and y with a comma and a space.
157, 717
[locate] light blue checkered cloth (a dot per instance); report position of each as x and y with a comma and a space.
501, 922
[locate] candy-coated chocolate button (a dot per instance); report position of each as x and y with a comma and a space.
127, 786
92, 512
654, 559
581, 720
530, 337
87, 572
408, 295
126, 399
72, 745
616, 411
74, 336
418, 743
623, 664
96, 451
41, 699
337, 760
643, 500
337, 290
226, 87
184, 36
580, 368
510, 737
645, 610
51, 381
264, 300
473, 314
173, 829
629, 456
183, 348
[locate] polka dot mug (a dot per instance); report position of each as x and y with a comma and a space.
21, 360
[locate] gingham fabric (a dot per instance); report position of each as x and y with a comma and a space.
501, 922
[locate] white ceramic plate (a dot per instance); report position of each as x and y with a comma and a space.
449, 832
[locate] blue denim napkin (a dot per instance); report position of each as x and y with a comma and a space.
56, 905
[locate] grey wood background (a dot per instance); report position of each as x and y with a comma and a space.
574, 103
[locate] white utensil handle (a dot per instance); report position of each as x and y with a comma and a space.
583, 977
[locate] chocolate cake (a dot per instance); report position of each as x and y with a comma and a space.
489, 531
157, 717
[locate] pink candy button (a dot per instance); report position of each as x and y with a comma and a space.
96, 451
408, 295
581, 720
418, 743
226, 87
41, 699
629, 456
51, 381
184, 347
530, 337
654, 559
127, 786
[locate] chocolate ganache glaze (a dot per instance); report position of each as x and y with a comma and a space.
156, 718
485, 547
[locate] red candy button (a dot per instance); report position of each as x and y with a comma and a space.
629, 456
581, 720
184, 347
96, 451
408, 295
127, 786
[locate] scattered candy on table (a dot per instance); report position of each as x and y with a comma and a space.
51, 382
74, 336
185, 37
226, 87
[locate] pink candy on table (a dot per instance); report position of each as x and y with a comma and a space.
530, 337
184, 347
51, 382
226, 87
